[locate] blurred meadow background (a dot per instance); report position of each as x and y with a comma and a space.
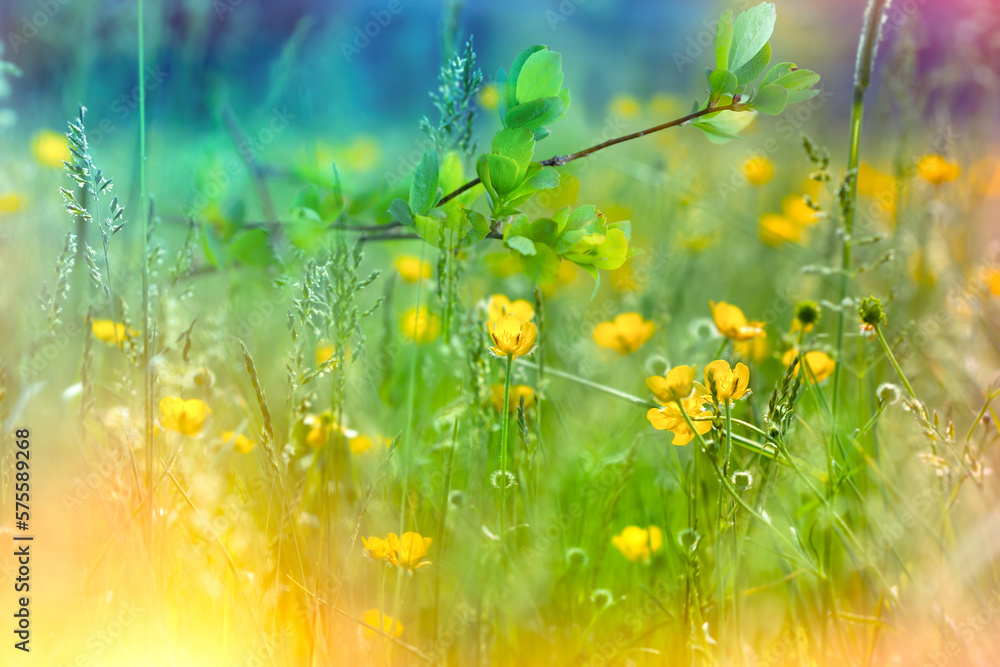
295, 397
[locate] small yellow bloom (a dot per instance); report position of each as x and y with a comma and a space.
777, 229
413, 269
517, 392
421, 326
50, 148
797, 210
488, 96
627, 333
499, 305
362, 153
936, 170
755, 349
677, 385
638, 544
362, 443
10, 203
324, 351
241, 443
376, 548
376, 619
185, 417
511, 337
733, 324
820, 364
758, 170
731, 384
670, 418
112, 333
994, 282
626, 107
409, 550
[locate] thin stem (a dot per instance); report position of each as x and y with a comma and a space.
895, 364
560, 160
505, 418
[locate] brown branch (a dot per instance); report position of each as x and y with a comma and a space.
560, 160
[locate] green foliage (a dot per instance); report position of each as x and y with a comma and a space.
533, 96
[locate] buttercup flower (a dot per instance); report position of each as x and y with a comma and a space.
730, 384
627, 333
638, 544
112, 333
376, 619
758, 170
362, 443
324, 351
408, 551
776, 229
511, 336
517, 392
412, 269
733, 324
670, 418
500, 305
376, 548
241, 443
50, 149
625, 106
420, 326
182, 416
820, 364
321, 427
796, 209
488, 97
936, 170
678, 384
10, 203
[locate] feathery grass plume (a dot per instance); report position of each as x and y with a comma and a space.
51, 299
267, 431
455, 101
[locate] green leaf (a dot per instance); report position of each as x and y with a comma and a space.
516, 143
252, 248
779, 70
541, 76
800, 79
596, 275
501, 86
755, 66
480, 227
307, 198
545, 179
424, 188
450, 176
521, 244
510, 90
536, 113
306, 233
723, 39
401, 213
503, 172
771, 99
543, 267
428, 227
751, 30
796, 96
331, 207
455, 226
722, 81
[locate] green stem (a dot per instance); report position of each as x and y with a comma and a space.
892, 361
505, 418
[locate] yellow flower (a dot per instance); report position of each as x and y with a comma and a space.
488, 96
678, 384
241, 443
376, 548
499, 305
324, 351
10, 203
936, 170
625, 106
627, 333
638, 544
517, 392
731, 384
408, 551
733, 324
182, 416
50, 148
362, 443
797, 210
994, 282
420, 326
758, 170
820, 364
755, 349
412, 269
361, 154
511, 337
112, 333
376, 619
776, 229
669, 418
